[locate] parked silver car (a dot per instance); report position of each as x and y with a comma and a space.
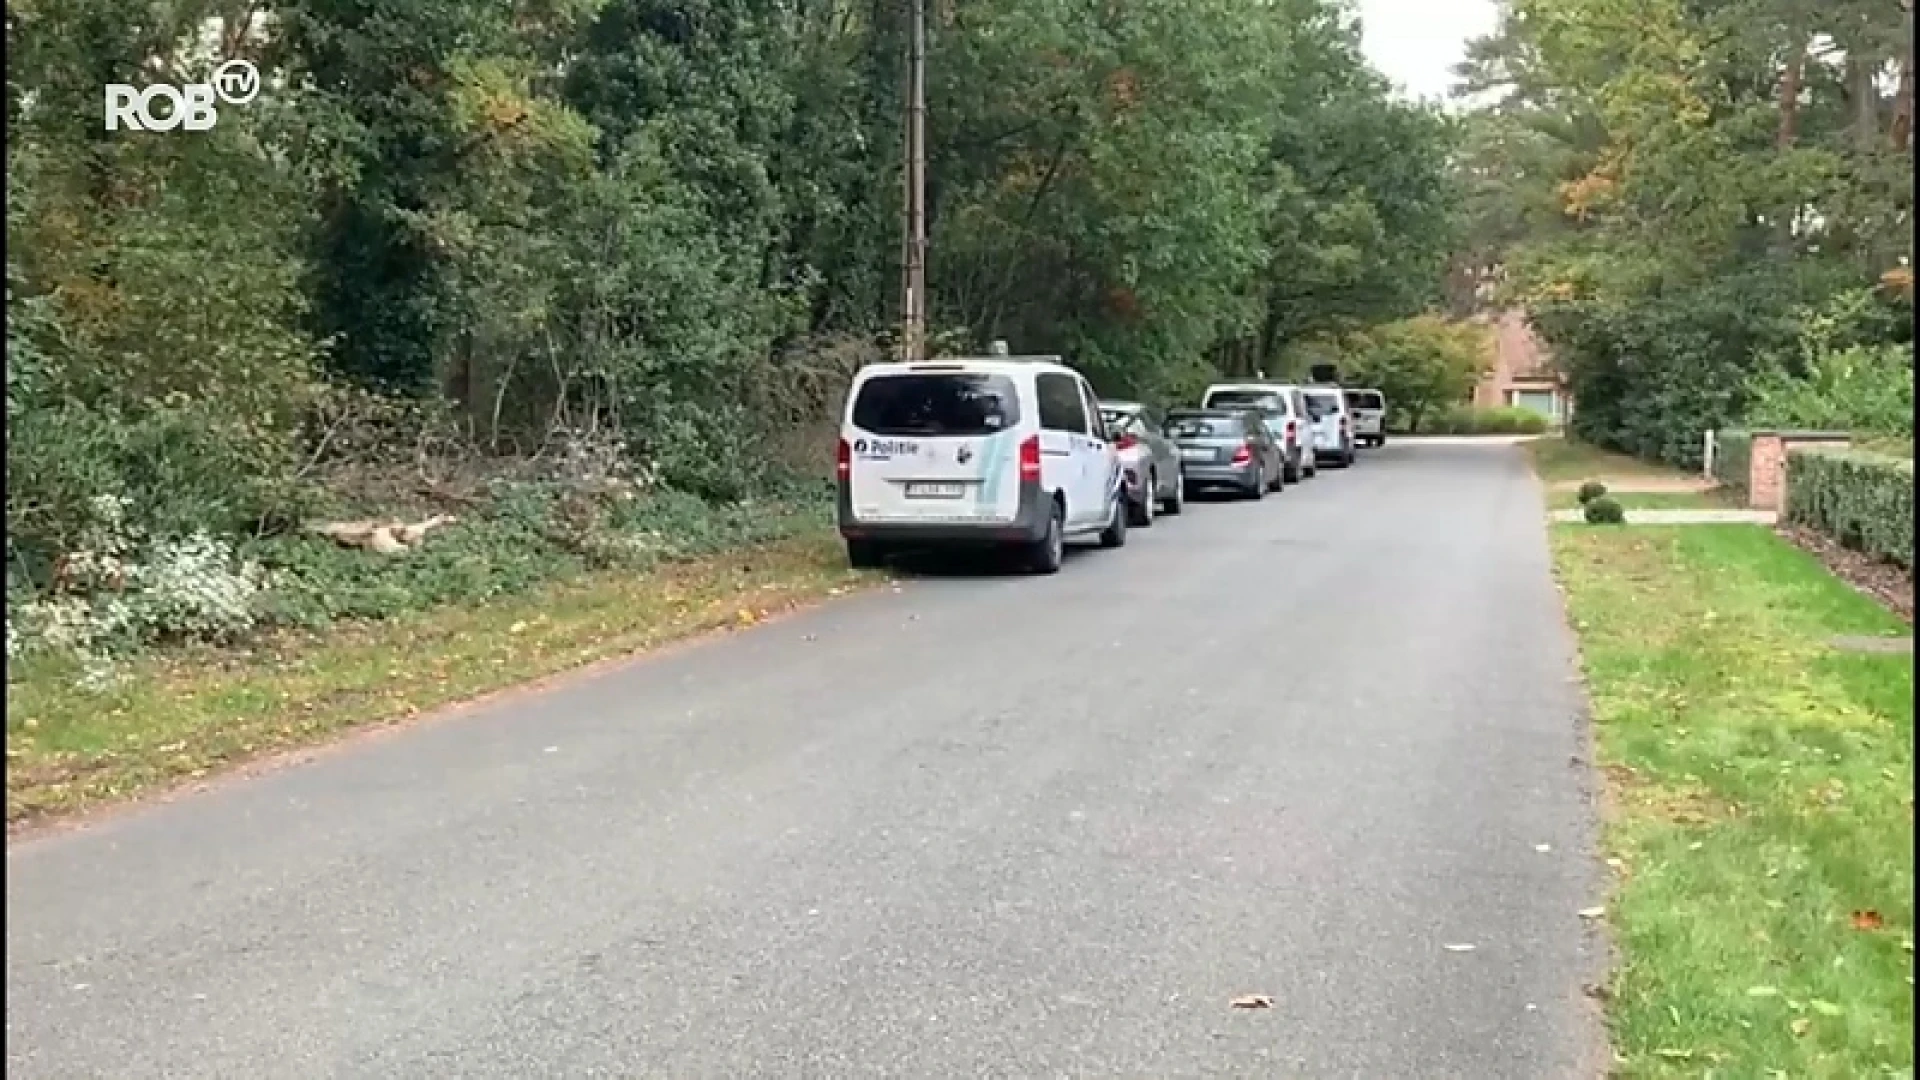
1149, 460
1226, 448
1284, 409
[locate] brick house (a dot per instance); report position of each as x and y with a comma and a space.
1521, 373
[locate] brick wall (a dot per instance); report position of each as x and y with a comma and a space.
1767, 464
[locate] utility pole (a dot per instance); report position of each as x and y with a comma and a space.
913, 306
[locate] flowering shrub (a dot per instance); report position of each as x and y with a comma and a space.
116, 592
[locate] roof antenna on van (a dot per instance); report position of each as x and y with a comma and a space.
998, 348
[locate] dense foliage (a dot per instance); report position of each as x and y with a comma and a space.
454, 240
1686, 195
1422, 364
1862, 499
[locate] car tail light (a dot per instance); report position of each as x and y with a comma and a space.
1290, 431
845, 463
1243, 455
1030, 458
1126, 442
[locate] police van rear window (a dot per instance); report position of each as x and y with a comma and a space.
1321, 403
959, 403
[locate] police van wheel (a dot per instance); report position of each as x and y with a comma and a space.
1115, 534
865, 555
1050, 550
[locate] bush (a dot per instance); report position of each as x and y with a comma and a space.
1732, 460
1867, 389
1605, 510
1849, 369
1861, 499
1591, 490
178, 469
1469, 420
120, 589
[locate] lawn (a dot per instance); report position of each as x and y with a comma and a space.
1760, 805
1559, 460
1651, 500
180, 715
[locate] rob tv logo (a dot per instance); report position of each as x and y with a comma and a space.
193, 106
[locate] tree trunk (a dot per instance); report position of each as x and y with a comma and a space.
1790, 83
1901, 129
1866, 100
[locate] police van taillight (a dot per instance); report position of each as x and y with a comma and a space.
1030, 458
845, 463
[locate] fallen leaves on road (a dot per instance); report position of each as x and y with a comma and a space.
1253, 1001
1462, 947
1592, 912
1868, 919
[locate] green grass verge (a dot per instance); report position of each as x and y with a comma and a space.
182, 714
1560, 460
1650, 500
1760, 810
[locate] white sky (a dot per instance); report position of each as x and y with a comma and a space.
1415, 43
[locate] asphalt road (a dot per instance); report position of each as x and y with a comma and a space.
978, 826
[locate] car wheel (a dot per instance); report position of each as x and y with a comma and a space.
1177, 501
1259, 488
1291, 471
1046, 555
1115, 534
865, 555
1279, 481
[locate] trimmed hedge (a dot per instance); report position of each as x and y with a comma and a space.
1862, 499
1732, 459
1468, 420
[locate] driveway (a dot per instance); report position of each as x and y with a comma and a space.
976, 826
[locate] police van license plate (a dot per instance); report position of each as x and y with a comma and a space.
935, 491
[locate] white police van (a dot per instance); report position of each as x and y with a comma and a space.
1004, 451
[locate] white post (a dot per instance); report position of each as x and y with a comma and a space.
1707, 454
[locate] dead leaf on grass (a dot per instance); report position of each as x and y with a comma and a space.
1800, 1026
1825, 1008
1868, 919
1253, 1001
1674, 1054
